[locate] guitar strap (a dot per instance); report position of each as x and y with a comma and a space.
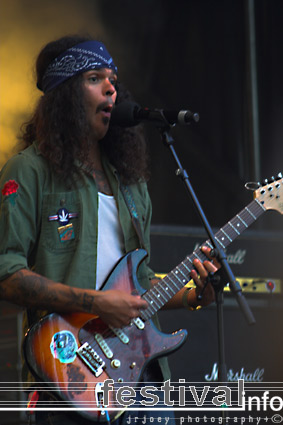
152, 371
130, 202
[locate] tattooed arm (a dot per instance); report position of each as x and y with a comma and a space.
31, 290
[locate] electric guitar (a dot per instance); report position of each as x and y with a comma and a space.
74, 354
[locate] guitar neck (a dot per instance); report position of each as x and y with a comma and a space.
166, 288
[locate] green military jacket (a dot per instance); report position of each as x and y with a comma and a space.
31, 193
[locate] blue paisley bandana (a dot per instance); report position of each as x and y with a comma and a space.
80, 58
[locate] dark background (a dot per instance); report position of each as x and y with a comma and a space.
195, 55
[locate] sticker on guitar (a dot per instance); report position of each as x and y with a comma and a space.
64, 346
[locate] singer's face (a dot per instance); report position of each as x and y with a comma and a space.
99, 95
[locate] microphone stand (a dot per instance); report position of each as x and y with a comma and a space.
224, 275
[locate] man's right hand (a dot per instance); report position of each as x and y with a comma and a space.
118, 308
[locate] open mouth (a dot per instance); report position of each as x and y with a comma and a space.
106, 111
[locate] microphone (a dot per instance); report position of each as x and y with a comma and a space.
129, 114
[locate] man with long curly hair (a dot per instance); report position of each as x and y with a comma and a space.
74, 202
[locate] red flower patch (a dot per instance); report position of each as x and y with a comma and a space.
10, 187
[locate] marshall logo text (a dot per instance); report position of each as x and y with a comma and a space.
255, 376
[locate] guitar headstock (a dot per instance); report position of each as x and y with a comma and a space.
271, 194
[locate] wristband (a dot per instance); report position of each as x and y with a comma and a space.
185, 301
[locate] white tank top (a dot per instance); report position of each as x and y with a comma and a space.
110, 240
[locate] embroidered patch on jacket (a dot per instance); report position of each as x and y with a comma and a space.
10, 190
66, 233
63, 216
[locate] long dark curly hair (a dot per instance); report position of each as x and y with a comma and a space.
60, 126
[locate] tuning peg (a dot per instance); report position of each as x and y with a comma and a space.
280, 176
252, 185
268, 181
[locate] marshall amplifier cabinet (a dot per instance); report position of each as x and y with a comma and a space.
253, 353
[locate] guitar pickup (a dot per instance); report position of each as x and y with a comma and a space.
91, 358
138, 322
120, 334
103, 345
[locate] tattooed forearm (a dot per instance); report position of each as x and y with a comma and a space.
88, 302
29, 289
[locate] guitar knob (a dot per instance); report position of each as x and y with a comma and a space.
115, 363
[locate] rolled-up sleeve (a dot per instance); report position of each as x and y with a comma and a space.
20, 187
